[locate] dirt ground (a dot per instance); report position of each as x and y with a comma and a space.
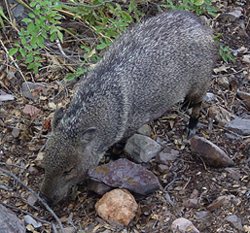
24, 127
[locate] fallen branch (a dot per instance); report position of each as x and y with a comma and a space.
37, 196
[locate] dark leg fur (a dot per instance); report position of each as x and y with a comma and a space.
193, 120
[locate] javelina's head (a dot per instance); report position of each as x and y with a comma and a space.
67, 158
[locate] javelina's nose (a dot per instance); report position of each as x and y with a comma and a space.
49, 201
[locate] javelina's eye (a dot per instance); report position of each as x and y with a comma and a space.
67, 172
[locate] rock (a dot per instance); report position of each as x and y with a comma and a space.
192, 203
69, 230
194, 194
234, 173
29, 90
223, 82
98, 187
233, 15
5, 97
123, 173
205, 217
246, 58
226, 200
29, 220
209, 152
220, 115
31, 199
183, 225
15, 132
39, 161
9, 221
245, 96
145, 130
142, 148
167, 155
163, 168
235, 221
209, 97
239, 126
33, 170
31, 110
117, 205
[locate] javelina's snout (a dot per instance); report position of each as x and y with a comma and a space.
52, 193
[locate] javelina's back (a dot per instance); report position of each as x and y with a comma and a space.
156, 64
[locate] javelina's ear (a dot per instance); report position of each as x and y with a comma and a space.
88, 135
57, 117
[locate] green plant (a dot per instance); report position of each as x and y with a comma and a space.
42, 22
226, 53
106, 18
198, 6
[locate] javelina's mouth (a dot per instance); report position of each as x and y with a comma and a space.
49, 201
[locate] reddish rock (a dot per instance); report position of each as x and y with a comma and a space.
209, 152
123, 173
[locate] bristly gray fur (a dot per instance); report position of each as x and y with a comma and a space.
156, 64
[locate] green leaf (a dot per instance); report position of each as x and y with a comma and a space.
23, 41
19, 57
13, 51
31, 66
29, 59
197, 2
31, 15
23, 52
41, 45
30, 28
60, 36
32, 4
37, 57
27, 20
53, 37
37, 12
40, 39
125, 16
101, 46
33, 40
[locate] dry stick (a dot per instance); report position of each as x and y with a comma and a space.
37, 196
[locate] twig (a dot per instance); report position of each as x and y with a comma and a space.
38, 198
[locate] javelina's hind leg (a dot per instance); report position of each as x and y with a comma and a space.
193, 119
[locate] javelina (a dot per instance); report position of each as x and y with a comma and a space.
158, 63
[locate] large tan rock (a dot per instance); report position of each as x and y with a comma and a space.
117, 205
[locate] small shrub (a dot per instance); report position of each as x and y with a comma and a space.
42, 22
198, 6
226, 53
